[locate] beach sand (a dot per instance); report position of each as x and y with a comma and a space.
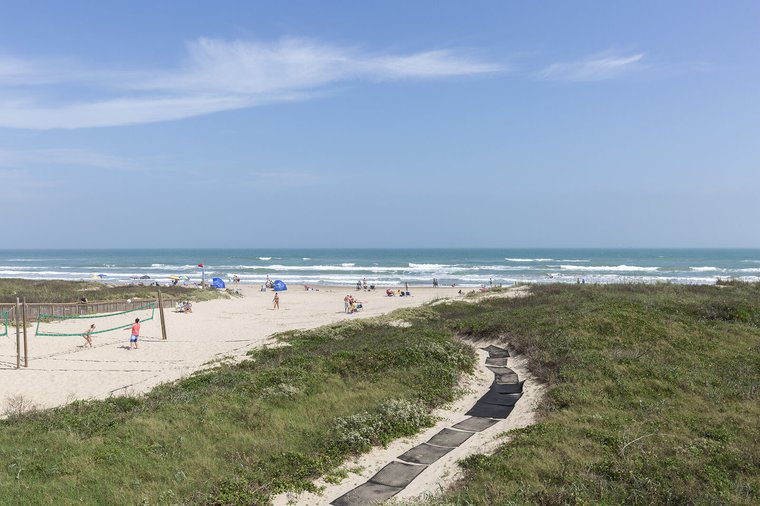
62, 370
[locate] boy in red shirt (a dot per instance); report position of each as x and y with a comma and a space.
135, 330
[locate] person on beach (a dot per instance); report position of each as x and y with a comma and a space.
346, 303
135, 334
88, 336
276, 301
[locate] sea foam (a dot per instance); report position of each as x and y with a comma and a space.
615, 268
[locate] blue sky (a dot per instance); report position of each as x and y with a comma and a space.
369, 124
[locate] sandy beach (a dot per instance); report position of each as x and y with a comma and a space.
62, 370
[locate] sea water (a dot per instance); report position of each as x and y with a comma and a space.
460, 267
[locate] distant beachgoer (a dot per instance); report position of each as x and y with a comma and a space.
88, 336
406, 287
276, 301
490, 281
346, 303
135, 334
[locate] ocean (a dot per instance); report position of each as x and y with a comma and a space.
418, 267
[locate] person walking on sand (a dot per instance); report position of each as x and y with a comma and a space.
135, 334
276, 301
88, 336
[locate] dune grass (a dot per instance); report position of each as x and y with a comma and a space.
238, 433
653, 396
652, 399
51, 291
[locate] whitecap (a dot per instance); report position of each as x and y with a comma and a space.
620, 268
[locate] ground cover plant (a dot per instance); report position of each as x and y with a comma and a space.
51, 291
652, 399
239, 433
652, 396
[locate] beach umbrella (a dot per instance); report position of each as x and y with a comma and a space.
174, 276
279, 286
100, 276
145, 276
217, 283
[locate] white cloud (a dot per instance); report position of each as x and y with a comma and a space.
15, 159
595, 68
217, 75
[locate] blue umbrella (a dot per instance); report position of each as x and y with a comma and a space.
279, 286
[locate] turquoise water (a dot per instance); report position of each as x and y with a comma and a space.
463, 267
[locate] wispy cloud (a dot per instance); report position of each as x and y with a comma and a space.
217, 75
594, 68
60, 157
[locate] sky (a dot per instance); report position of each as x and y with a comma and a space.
379, 124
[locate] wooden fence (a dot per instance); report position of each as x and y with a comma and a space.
33, 310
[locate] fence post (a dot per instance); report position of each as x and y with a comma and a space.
18, 338
161, 315
26, 348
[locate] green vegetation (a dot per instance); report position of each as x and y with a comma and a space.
238, 433
70, 291
652, 396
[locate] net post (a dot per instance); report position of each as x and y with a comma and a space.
161, 315
26, 348
18, 338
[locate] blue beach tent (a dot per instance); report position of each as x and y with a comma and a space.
279, 286
217, 283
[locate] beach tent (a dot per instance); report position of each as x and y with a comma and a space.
279, 286
217, 283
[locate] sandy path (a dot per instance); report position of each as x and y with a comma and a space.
61, 370
437, 476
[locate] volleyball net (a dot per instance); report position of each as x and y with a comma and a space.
76, 325
4, 321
